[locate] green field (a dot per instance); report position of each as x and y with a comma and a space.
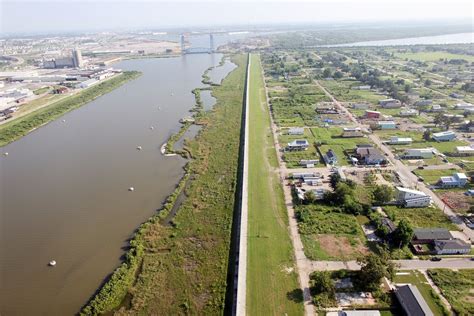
182, 268
270, 271
433, 56
431, 297
457, 287
421, 217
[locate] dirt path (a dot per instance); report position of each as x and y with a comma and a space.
304, 266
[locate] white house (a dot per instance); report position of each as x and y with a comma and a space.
412, 198
298, 144
395, 140
464, 150
451, 247
436, 108
408, 112
444, 136
463, 106
296, 131
384, 125
458, 180
419, 153
308, 163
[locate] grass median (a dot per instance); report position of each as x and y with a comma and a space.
271, 278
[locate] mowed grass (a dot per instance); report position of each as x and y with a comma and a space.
434, 56
457, 287
419, 280
270, 255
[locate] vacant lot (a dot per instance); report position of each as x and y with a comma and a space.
433, 56
419, 280
421, 217
328, 234
457, 287
270, 267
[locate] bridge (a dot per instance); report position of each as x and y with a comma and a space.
186, 49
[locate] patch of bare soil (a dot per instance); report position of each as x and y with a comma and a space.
456, 200
340, 246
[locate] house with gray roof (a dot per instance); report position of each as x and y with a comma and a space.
429, 235
412, 301
451, 247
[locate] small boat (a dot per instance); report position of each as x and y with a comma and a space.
139, 148
5, 154
131, 189
152, 128
63, 121
52, 263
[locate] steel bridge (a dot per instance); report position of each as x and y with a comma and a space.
186, 49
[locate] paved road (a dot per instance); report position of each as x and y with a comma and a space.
413, 264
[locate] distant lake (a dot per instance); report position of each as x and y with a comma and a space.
458, 38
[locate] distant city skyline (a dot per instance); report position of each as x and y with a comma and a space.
62, 16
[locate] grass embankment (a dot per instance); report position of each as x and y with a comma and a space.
182, 268
270, 271
457, 287
18, 128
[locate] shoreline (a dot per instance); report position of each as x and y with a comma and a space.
22, 126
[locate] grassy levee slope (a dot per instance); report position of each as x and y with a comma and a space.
183, 267
270, 272
17, 128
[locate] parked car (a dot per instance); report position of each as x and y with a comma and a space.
435, 259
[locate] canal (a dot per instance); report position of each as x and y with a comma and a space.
64, 187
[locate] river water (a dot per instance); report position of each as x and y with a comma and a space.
458, 38
64, 187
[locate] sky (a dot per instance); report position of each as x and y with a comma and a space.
59, 16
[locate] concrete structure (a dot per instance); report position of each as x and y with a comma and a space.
77, 58
464, 150
298, 145
412, 198
457, 180
308, 163
395, 140
390, 103
296, 131
365, 87
384, 125
444, 136
330, 157
419, 153
87, 83
372, 114
412, 301
451, 247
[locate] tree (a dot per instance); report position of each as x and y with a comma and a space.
310, 197
373, 268
334, 179
338, 75
383, 193
403, 234
427, 135
428, 82
327, 73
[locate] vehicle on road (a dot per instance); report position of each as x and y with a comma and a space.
435, 259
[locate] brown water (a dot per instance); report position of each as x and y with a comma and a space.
64, 188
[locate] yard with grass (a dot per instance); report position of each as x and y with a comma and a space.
270, 267
328, 234
423, 217
433, 56
419, 280
457, 287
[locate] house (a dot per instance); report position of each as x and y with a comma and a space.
369, 155
455, 95
319, 193
423, 102
330, 157
412, 301
296, 131
408, 112
384, 125
395, 140
360, 106
308, 163
327, 110
444, 136
412, 198
388, 224
298, 145
451, 247
302, 175
463, 106
87, 83
437, 108
360, 88
429, 235
457, 180
419, 153
372, 114
390, 103
464, 151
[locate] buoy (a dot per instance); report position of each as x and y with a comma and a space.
52, 263
131, 189
139, 147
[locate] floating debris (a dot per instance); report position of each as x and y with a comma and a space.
52, 263
152, 128
139, 148
5, 154
131, 189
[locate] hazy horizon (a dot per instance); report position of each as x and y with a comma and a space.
60, 16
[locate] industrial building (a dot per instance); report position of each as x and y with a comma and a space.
75, 61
